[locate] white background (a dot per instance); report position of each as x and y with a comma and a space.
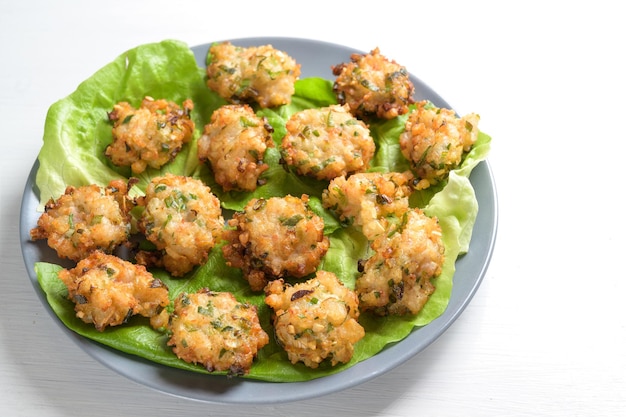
544, 335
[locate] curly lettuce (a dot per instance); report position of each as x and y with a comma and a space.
77, 132
77, 129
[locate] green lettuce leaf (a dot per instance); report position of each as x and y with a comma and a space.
77, 132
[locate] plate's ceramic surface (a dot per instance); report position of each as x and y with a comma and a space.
316, 59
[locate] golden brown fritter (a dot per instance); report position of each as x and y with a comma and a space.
107, 290
183, 218
369, 200
217, 331
85, 219
396, 279
234, 144
372, 85
275, 237
257, 74
434, 141
315, 320
151, 135
327, 142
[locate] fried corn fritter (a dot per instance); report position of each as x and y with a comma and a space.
327, 142
372, 85
258, 74
315, 320
275, 237
85, 219
434, 141
217, 331
369, 200
107, 290
183, 219
397, 278
151, 135
234, 144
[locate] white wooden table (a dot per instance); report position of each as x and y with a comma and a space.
546, 332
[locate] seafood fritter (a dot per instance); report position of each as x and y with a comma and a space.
435, 140
85, 219
275, 237
151, 135
315, 320
327, 142
396, 279
234, 144
373, 85
257, 74
183, 219
217, 331
107, 290
369, 200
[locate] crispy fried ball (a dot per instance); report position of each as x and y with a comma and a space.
369, 200
275, 237
327, 142
258, 74
434, 141
397, 278
183, 219
372, 85
85, 219
151, 135
217, 331
107, 290
315, 320
234, 144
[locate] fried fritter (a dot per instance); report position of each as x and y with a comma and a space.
275, 237
369, 200
397, 278
327, 142
183, 219
107, 290
373, 85
217, 331
151, 135
257, 74
234, 144
85, 219
434, 141
315, 320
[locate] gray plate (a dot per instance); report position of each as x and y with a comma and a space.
316, 59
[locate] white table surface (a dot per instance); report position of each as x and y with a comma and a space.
545, 333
